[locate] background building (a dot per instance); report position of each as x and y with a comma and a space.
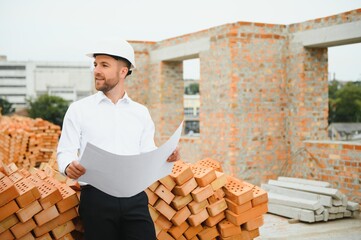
23, 80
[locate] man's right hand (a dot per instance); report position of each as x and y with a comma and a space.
74, 170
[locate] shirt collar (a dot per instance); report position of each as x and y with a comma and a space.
100, 96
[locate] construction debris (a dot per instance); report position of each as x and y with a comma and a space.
308, 200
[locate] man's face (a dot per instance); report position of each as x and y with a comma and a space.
108, 72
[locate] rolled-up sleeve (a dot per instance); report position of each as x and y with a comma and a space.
69, 142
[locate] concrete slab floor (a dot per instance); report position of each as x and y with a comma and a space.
277, 227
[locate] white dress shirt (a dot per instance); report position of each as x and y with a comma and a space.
124, 128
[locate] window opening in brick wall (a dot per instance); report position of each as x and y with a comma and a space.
344, 82
191, 99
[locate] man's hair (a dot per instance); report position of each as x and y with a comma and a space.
127, 63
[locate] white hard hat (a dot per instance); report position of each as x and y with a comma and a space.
118, 48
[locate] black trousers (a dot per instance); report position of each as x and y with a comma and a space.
112, 218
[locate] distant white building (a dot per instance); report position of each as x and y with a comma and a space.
23, 80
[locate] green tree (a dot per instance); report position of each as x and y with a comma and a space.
192, 89
333, 87
50, 108
347, 104
6, 107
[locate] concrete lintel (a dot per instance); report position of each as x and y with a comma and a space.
336, 35
180, 51
335, 193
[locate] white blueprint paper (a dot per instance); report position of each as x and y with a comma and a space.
127, 175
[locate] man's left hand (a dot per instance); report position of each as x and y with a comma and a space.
175, 156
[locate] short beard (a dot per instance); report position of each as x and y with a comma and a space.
104, 88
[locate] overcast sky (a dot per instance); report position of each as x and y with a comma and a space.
63, 30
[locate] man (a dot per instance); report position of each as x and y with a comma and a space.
112, 121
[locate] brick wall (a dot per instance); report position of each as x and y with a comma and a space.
338, 163
262, 94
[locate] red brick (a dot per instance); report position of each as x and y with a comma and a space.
220, 181
164, 193
46, 215
177, 231
8, 222
69, 200
181, 216
217, 207
44, 237
154, 186
186, 188
210, 163
253, 223
63, 229
254, 233
164, 209
168, 182
28, 236
61, 219
7, 235
10, 168
198, 218
163, 235
201, 193
196, 207
163, 222
154, 214
181, 173
218, 195
8, 209
259, 195
16, 176
227, 229
204, 176
238, 209
181, 201
28, 192
212, 221
192, 231
20, 229
24, 214
152, 197
8, 191
244, 235
208, 233
67, 236
38, 173
50, 195
238, 219
24, 172
237, 191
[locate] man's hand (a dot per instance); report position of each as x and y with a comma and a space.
74, 170
175, 156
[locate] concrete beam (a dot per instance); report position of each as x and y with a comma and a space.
325, 200
293, 201
180, 52
292, 212
336, 35
335, 193
304, 181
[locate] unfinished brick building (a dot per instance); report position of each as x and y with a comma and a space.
264, 98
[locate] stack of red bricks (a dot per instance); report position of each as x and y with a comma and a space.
199, 201
37, 204
26, 141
